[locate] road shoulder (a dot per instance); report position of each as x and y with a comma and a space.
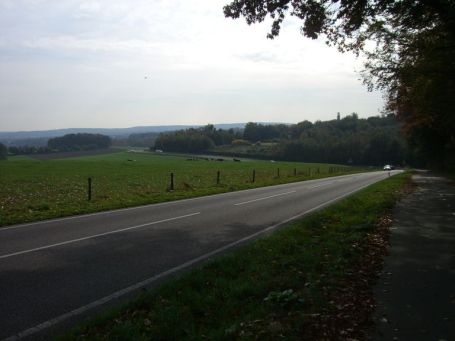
415, 293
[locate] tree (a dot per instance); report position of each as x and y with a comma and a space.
75, 142
259, 132
186, 141
411, 60
3, 151
142, 140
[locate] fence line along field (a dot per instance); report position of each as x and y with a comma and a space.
32, 190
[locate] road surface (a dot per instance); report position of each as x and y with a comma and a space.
55, 271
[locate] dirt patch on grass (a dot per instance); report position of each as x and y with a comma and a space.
65, 155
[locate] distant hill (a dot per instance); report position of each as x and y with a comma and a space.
40, 137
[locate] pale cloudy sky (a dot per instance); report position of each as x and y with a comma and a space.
119, 63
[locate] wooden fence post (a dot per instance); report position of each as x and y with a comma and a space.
89, 189
171, 187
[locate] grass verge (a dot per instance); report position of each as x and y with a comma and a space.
309, 280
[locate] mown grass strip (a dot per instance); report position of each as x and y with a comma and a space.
281, 285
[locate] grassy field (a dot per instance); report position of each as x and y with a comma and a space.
38, 189
310, 280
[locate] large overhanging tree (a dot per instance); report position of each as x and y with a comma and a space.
410, 55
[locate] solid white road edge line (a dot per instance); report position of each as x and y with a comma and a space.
96, 235
263, 198
40, 327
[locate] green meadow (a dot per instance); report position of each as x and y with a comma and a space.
33, 190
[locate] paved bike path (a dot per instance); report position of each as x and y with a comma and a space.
415, 293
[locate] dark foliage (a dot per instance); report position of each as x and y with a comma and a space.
195, 140
256, 132
142, 140
3, 151
28, 150
374, 141
75, 142
411, 60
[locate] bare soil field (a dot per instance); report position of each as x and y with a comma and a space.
65, 155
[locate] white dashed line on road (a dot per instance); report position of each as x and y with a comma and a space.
96, 235
263, 198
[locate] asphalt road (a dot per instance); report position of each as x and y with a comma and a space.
51, 272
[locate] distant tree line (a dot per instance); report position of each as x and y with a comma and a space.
265, 132
24, 142
66, 143
195, 140
28, 150
77, 142
371, 141
142, 139
3, 151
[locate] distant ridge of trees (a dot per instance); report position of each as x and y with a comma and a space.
3, 151
195, 140
350, 140
142, 139
28, 150
76, 142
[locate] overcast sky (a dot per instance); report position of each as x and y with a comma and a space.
119, 63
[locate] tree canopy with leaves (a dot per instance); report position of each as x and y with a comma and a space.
410, 55
76, 142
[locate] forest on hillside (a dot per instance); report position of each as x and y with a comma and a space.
66, 143
372, 141
77, 142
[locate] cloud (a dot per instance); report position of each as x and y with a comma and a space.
87, 60
261, 56
91, 45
